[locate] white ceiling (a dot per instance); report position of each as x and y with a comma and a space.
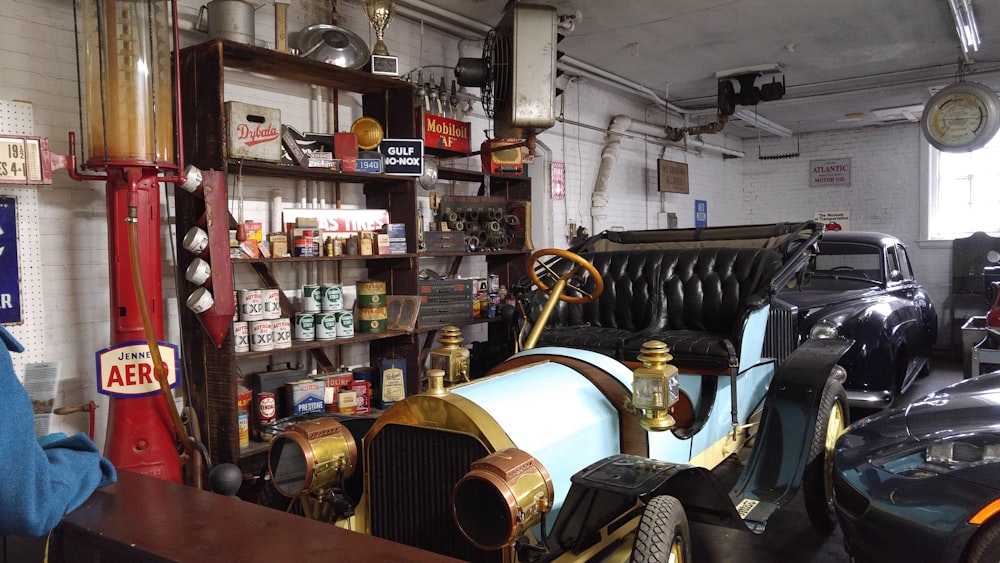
844, 61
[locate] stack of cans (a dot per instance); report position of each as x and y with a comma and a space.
260, 326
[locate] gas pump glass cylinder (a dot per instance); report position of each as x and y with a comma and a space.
128, 82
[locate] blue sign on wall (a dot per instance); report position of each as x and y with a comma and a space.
10, 281
700, 213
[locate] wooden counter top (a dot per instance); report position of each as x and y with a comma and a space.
142, 518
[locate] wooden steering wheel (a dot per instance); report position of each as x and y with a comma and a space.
564, 279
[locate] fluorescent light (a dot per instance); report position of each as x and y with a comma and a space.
965, 26
751, 118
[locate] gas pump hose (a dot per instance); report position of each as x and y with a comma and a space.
190, 449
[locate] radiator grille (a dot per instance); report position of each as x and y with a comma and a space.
782, 331
411, 473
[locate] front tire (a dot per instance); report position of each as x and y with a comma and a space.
817, 482
663, 535
985, 546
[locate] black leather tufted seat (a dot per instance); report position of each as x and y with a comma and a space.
696, 300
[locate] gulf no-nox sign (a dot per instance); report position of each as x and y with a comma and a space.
402, 156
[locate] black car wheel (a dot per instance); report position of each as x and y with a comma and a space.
817, 483
985, 546
663, 535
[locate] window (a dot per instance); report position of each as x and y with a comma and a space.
962, 192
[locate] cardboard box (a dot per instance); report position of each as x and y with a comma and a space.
396, 231
279, 244
382, 244
345, 145
363, 400
254, 132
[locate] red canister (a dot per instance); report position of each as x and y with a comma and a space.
267, 408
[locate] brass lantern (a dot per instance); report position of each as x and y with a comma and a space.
451, 357
655, 387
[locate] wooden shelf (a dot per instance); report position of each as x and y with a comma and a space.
340, 258
298, 345
209, 370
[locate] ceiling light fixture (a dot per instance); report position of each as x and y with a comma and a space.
965, 26
750, 117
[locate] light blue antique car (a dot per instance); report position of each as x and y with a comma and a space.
645, 368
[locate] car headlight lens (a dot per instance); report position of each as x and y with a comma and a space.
824, 329
942, 456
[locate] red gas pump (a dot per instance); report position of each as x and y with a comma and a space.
131, 124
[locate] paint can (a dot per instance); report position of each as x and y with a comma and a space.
241, 336
272, 303
333, 297
281, 329
311, 299
326, 326
372, 319
251, 303
371, 293
345, 324
244, 425
261, 336
305, 327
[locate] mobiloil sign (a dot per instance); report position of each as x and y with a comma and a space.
126, 369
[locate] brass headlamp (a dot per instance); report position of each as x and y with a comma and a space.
655, 387
311, 455
502, 495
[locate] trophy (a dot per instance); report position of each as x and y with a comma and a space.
380, 13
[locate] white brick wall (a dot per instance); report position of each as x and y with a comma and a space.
37, 50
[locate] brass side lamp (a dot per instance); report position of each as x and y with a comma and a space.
655, 387
451, 357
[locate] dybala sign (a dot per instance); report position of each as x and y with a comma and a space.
402, 156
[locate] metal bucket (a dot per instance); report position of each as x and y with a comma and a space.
228, 19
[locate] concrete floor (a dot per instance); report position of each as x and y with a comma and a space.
789, 536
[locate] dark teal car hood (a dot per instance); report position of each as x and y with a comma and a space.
972, 405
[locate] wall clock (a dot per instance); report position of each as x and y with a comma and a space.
961, 117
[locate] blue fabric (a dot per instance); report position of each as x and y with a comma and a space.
39, 484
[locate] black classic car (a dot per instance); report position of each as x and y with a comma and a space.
922, 482
860, 286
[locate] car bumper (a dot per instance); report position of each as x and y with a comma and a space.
876, 529
869, 399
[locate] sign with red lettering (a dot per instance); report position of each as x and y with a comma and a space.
833, 172
446, 134
126, 369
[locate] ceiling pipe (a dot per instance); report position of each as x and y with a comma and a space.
650, 133
609, 155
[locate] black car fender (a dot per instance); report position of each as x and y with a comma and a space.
773, 474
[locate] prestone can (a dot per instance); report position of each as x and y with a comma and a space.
281, 329
272, 303
333, 297
305, 327
345, 324
241, 336
326, 326
261, 336
251, 305
311, 299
